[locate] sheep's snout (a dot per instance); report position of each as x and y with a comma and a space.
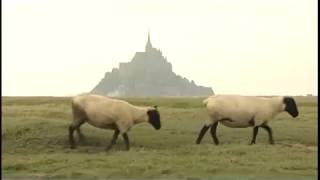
155, 124
157, 127
293, 112
296, 114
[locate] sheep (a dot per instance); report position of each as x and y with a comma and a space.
237, 111
108, 113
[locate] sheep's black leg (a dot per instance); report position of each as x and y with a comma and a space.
255, 132
113, 140
267, 128
126, 140
201, 134
80, 135
71, 140
213, 132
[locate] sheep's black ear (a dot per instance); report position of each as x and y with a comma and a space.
155, 106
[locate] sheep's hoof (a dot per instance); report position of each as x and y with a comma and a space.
252, 143
272, 143
72, 147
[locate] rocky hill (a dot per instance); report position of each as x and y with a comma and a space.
148, 74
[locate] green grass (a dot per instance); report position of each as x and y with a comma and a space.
35, 144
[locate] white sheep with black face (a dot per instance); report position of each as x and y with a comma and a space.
108, 113
237, 111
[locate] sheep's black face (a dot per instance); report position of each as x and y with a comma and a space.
154, 118
291, 106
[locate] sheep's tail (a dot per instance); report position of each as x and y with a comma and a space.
205, 102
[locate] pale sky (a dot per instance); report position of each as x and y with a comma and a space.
248, 47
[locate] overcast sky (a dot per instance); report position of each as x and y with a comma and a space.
248, 47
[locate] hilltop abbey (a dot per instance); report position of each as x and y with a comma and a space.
148, 74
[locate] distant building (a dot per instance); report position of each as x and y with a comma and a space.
148, 74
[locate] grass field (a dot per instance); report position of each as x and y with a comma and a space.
35, 144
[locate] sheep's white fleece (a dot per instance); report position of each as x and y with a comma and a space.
104, 112
242, 109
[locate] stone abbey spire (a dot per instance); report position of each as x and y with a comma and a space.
148, 46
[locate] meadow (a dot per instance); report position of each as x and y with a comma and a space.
34, 136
